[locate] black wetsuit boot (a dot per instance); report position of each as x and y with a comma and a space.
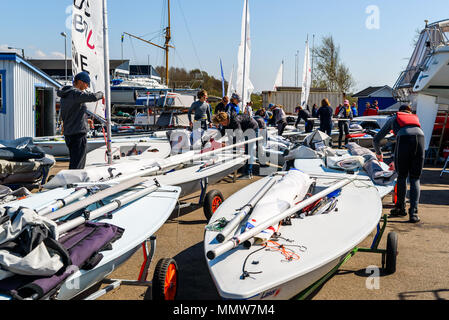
413, 215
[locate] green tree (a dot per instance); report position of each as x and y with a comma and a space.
330, 72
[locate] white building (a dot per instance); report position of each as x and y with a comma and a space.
27, 99
290, 98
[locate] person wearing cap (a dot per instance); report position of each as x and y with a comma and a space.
74, 117
239, 122
344, 116
201, 110
409, 156
233, 106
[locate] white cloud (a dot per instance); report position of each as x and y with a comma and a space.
56, 54
4, 47
40, 54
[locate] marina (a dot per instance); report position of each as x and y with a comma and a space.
129, 180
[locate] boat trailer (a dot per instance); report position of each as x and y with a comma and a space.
388, 258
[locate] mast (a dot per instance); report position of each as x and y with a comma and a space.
167, 41
313, 55
166, 46
244, 57
107, 86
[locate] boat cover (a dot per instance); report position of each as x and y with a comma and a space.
372, 166
317, 139
304, 152
84, 245
28, 244
291, 189
105, 172
8, 195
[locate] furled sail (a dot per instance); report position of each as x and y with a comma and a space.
279, 77
244, 86
231, 88
306, 77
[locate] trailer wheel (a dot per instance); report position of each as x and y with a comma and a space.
392, 252
165, 280
212, 201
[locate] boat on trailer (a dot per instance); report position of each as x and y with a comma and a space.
307, 243
145, 208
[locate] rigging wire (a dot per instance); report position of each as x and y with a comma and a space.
191, 39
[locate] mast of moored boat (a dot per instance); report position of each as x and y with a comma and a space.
167, 41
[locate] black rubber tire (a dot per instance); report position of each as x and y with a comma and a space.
392, 252
159, 276
208, 204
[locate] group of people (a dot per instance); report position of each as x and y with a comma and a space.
408, 155
409, 152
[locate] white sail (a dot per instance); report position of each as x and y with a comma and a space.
306, 77
244, 86
279, 77
88, 47
231, 88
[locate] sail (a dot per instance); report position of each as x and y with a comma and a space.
88, 48
244, 86
279, 78
306, 77
231, 88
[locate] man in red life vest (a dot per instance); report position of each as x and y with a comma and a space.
408, 158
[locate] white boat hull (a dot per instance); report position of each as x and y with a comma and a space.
140, 219
434, 79
129, 151
328, 238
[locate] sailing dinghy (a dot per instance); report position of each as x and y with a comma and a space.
126, 207
316, 234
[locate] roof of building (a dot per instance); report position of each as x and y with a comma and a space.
368, 91
12, 56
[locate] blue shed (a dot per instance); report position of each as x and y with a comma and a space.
383, 95
27, 99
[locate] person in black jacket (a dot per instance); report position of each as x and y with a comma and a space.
74, 118
244, 123
304, 114
221, 107
325, 113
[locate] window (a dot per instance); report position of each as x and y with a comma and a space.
2, 91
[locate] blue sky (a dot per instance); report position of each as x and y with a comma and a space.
205, 30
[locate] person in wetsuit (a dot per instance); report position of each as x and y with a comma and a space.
241, 122
409, 156
344, 115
